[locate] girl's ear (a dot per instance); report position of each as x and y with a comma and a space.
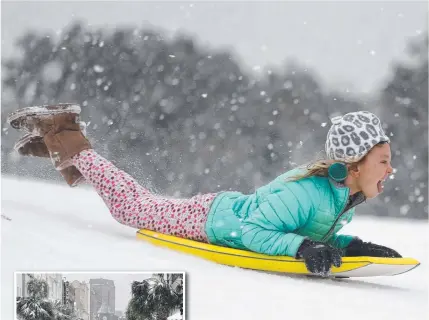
354, 170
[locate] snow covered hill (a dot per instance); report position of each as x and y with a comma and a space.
57, 228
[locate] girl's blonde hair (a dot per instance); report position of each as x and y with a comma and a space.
320, 167
316, 168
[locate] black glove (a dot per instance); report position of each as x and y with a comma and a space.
319, 257
358, 248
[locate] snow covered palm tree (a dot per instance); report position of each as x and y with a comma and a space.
63, 312
138, 307
36, 306
155, 298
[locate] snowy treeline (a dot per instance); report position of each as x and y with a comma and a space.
185, 119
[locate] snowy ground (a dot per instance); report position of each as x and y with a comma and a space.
57, 228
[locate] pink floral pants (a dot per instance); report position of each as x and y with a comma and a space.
132, 205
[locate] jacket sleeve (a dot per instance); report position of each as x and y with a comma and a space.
340, 240
269, 229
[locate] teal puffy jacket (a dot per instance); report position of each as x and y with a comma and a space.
277, 217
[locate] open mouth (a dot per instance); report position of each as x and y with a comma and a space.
380, 185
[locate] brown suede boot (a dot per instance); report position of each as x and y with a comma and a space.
33, 146
59, 127
21, 119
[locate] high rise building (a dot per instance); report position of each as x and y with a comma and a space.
81, 293
53, 280
19, 283
102, 298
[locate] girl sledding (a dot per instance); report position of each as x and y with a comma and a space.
298, 214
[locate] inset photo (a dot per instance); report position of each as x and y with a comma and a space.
100, 296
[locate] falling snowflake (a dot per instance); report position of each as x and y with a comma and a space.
97, 68
288, 85
404, 209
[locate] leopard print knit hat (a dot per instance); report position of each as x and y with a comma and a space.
353, 135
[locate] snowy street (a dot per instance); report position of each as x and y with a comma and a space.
56, 228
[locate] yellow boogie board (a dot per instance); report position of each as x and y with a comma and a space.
351, 266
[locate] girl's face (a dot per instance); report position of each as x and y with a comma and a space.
373, 170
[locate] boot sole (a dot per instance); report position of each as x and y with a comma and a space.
15, 121
23, 141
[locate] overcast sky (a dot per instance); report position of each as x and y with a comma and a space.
346, 42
